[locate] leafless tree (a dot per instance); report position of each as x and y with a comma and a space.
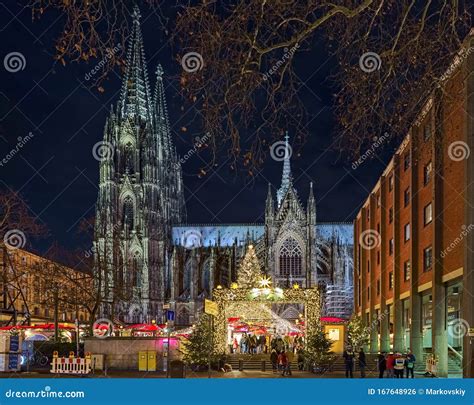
244, 84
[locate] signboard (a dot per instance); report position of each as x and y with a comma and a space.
333, 334
170, 315
210, 307
166, 306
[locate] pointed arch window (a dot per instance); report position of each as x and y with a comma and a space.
136, 269
187, 277
290, 256
129, 161
206, 277
128, 213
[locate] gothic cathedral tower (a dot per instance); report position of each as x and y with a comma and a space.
140, 195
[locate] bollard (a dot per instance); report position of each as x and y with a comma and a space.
241, 365
263, 365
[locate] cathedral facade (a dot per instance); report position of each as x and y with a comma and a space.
148, 257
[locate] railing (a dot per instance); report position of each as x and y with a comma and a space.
458, 355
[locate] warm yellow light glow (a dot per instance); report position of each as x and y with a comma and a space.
219, 287
264, 282
296, 286
234, 286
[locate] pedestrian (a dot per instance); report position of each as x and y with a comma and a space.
410, 364
390, 363
289, 360
399, 365
274, 360
282, 360
362, 363
382, 364
235, 345
349, 362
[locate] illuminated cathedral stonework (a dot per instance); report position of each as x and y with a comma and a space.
147, 255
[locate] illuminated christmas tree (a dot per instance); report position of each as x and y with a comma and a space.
249, 272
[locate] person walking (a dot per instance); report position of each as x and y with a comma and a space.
390, 363
362, 362
399, 365
349, 362
274, 360
235, 345
282, 361
410, 364
382, 364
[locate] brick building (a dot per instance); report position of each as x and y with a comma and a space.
413, 255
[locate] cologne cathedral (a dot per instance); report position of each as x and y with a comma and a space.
148, 257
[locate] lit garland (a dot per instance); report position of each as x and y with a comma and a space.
241, 300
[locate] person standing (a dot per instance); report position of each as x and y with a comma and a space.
289, 360
390, 363
362, 362
274, 360
382, 364
349, 362
399, 365
410, 364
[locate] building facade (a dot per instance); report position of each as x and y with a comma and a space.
35, 288
145, 253
413, 234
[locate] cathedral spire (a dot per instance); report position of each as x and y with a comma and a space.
135, 98
311, 206
160, 111
269, 208
286, 178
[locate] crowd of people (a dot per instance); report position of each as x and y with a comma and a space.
253, 344
390, 365
395, 365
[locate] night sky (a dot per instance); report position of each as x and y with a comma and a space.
58, 175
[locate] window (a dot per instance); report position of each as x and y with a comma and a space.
378, 200
378, 287
427, 132
368, 293
368, 266
390, 215
427, 214
390, 280
406, 232
407, 270
406, 197
378, 227
378, 256
390, 247
359, 293
427, 258
390, 183
427, 173
368, 213
291, 258
406, 161
128, 214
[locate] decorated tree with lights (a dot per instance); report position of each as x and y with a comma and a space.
357, 333
199, 346
317, 352
249, 270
